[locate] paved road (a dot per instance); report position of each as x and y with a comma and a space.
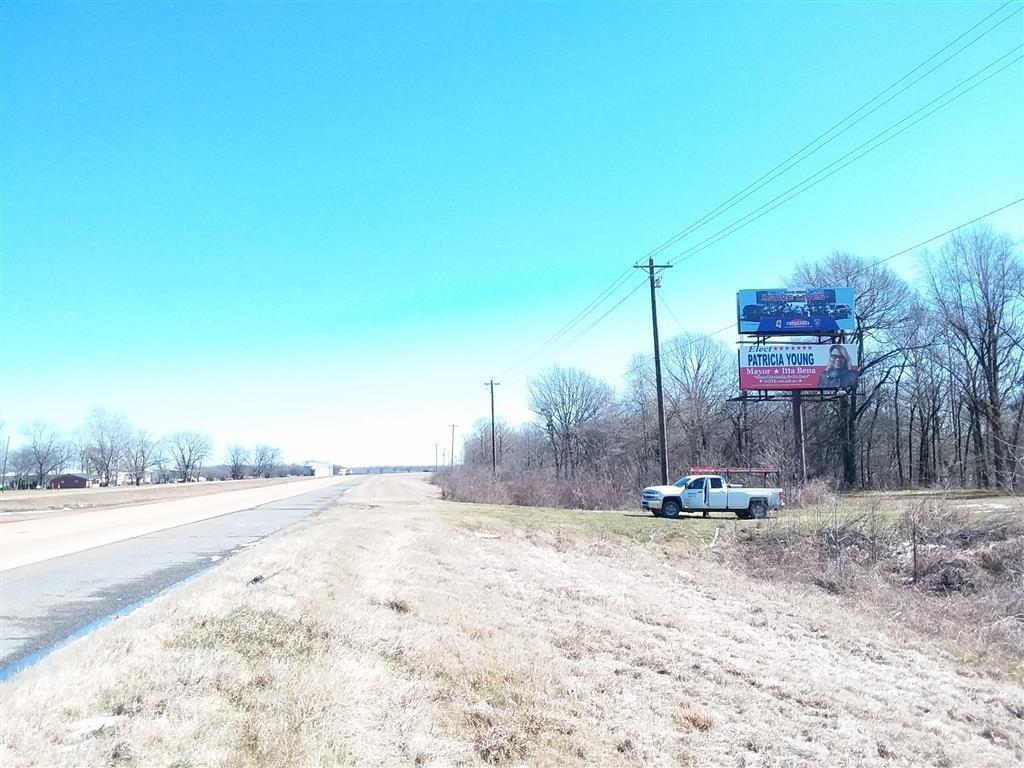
46, 602
34, 540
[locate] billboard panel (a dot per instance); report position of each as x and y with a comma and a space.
798, 366
780, 310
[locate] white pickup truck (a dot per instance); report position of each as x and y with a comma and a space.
707, 493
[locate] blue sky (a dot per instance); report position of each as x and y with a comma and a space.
324, 226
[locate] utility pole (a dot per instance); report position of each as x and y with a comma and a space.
662, 444
7, 451
494, 462
452, 457
435, 458
798, 437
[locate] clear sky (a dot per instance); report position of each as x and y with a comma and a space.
324, 226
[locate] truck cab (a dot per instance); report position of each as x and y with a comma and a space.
706, 492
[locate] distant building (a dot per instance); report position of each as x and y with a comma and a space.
127, 478
67, 481
318, 468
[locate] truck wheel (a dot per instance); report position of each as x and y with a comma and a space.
670, 509
758, 508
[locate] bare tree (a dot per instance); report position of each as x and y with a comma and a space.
265, 459
162, 464
976, 285
141, 454
107, 435
80, 454
47, 452
238, 461
569, 403
188, 451
21, 468
700, 375
885, 307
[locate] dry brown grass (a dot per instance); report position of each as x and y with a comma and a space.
397, 630
956, 576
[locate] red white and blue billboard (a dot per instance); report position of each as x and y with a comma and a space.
775, 311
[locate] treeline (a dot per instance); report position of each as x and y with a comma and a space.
940, 399
109, 449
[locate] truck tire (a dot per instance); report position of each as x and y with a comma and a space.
758, 509
670, 509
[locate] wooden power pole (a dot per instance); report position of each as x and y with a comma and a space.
662, 443
494, 462
452, 457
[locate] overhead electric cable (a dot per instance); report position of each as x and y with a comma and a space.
865, 268
611, 309
975, 220
579, 317
811, 181
668, 308
774, 173
796, 158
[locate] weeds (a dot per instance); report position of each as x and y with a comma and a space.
254, 634
956, 574
691, 718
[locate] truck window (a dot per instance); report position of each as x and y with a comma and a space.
696, 484
716, 482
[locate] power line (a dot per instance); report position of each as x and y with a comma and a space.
796, 158
757, 183
730, 229
611, 309
975, 220
865, 268
578, 318
782, 199
665, 305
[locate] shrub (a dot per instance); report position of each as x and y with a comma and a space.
936, 567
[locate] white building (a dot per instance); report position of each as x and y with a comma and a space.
319, 468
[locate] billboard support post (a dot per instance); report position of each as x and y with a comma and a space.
798, 437
662, 442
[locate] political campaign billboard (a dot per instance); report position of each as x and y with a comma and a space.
781, 310
798, 366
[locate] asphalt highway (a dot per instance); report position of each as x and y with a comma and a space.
43, 603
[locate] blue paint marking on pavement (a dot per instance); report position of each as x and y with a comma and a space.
16, 666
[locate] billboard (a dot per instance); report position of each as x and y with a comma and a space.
780, 310
798, 366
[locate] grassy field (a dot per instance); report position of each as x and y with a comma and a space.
394, 629
641, 527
